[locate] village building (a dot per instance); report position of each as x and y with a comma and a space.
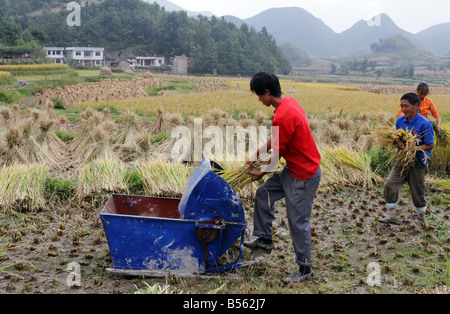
121, 63
109, 58
86, 56
129, 56
56, 54
150, 61
98, 57
180, 65
82, 56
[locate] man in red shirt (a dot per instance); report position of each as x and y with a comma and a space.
298, 182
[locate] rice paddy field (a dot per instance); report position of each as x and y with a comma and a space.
65, 150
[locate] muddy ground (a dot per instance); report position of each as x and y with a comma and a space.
37, 249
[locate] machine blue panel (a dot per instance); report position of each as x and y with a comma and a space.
184, 236
207, 196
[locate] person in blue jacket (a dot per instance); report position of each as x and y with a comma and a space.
416, 124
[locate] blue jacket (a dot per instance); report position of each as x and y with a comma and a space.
423, 128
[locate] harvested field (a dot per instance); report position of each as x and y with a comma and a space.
51, 222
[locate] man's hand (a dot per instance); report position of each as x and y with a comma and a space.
256, 175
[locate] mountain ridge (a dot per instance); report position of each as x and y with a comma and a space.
287, 25
321, 41
169, 6
297, 26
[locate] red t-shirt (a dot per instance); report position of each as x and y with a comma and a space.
296, 143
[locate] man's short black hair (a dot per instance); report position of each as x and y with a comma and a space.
412, 98
265, 80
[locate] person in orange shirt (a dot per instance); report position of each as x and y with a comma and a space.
426, 104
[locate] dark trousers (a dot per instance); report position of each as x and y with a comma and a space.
299, 195
415, 177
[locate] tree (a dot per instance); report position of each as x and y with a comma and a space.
411, 71
10, 31
333, 68
145, 28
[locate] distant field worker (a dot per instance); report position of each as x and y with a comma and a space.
426, 104
298, 182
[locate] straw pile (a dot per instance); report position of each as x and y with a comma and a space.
104, 90
162, 178
342, 166
104, 174
29, 139
94, 138
22, 186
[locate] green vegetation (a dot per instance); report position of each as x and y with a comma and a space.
66, 137
181, 86
4, 75
40, 80
57, 189
214, 44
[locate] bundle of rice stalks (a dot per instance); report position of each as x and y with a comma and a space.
93, 140
22, 187
16, 117
331, 134
442, 135
48, 139
34, 114
132, 126
147, 151
440, 159
13, 153
331, 175
5, 116
32, 141
99, 145
230, 168
162, 178
127, 146
401, 145
158, 126
33, 151
103, 175
237, 177
346, 167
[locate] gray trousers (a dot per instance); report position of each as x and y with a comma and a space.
299, 195
415, 177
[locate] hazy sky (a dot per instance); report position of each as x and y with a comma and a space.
410, 15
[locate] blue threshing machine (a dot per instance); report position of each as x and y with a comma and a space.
153, 236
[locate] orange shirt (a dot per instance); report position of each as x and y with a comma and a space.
426, 106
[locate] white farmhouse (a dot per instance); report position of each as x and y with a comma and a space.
86, 56
82, 56
150, 61
56, 54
